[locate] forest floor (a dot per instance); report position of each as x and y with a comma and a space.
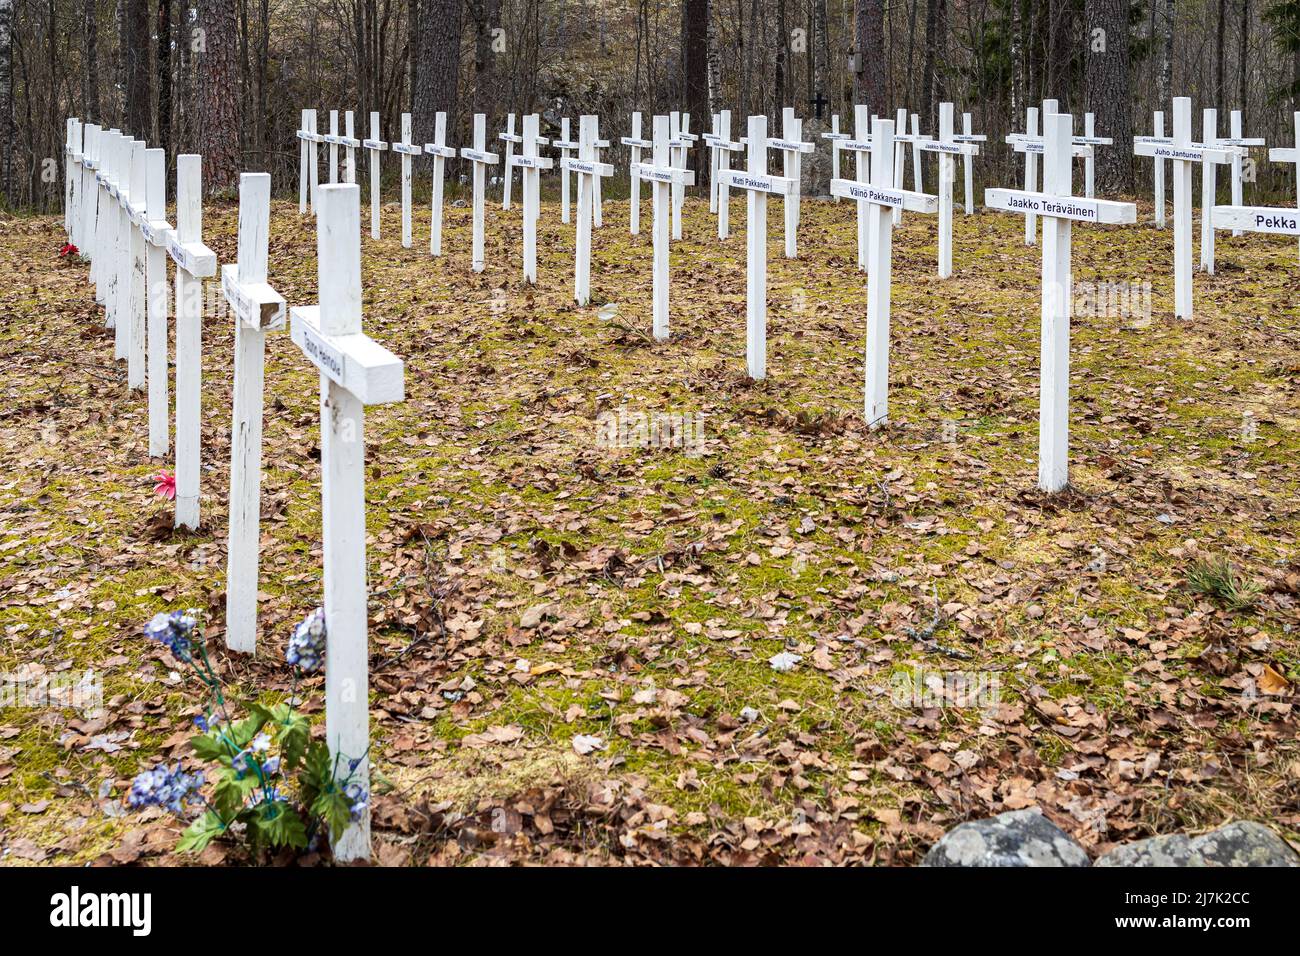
532, 589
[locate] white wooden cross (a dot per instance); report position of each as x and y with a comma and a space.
636, 144
679, 154
121, 297
1158, 175
376, 146
194, 263
1184, 153
757, 184
155, 228
350, 144
1033, 145
530, 165
332, 139
880, 196
72, 179
722, 146
89, 195
481, 159
567, 146
133, 204
597, 203
967, 136
1209, 186
407, 149
95, 198
947, 147
916, 139
791, 147
860, 145
589, 172
510, 137
256, 307
440, 152
1237, 138
1090, 138
1290, 155
1059, 209
662, 177
710, 138
355, 371
308, 171
105, 260
1031, 171
1276, 220
836, 137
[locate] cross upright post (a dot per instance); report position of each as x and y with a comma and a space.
374, 145
530, 165
967, 136
481, 158
155, 228
1290, 155
307, 159
635, 143
440, 152
510, 138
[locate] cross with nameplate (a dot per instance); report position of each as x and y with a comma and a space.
89, 196
72, 178
1209, 186
947, 147
567, 147
481, 159
375, 145
107, 241
509, 137
350, 144
133, 205
679, 153
332, 140
440, 152
355, 371
155, 229
835, 137
757, 184
791, 146
880, 196
722, 147
1290, 155
709, 139
635, 144
1059, 210
308, 170
97, 199
1183, 153
1237, 138
662, 177
589, 171
257, 308
407, 149
860, 145
194, 263
1158, 173
122, 243
530, 165
967, 135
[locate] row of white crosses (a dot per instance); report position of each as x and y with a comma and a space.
118, 222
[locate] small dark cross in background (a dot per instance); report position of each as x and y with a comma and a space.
818, 102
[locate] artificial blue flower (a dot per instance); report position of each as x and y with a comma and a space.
271, 767
307, 645
261, 743
202, 723
167, 787
358, 798
175, 631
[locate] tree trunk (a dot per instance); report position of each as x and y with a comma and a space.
90, 81
1220, 39
414, 39
439, 68
1164, 79
695, 57
869, 28
1110, 94
714, 58
486, 15
218, 127
1060, 54
932, 86
778, 75
6, 98
164, 70
1244, 73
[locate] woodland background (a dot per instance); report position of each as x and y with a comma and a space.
228, 78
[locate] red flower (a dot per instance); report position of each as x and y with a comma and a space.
68, 250
165, 485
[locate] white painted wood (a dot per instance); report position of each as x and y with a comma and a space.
679, 146
71, 177
1290, 155
100, 260
1278, 221
481, 159
835, 137
968, 162
636, 144
135, 304
89, 196
861, 147
1031, 173
791, 147
918, 184
597, 202
710, 138
194, 262
588, 171
350, 143
662, 195
1059, 210
1089, 164
1182, 175
1241, 152
948, 148
122, 326
723, 148
257, 307
306, 160
1209, 188
566, 146
1159, 175
440, 152
332, 140
155, 231
331, 337
510, 138
530, 167
375, 146
900, 144
405, 148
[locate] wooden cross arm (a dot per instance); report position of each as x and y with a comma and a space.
349, 141
952, 149
879, 195
1278, 221
334, 139
311, 137
1061, 207
356, 362
569, 144
970, 138
689, 137
857, 145
533, 162
761, 182
194, 257
255, 304
588, 166
836, 136
1026, 145
478, 156
1194, 152
1093, 140
409, 149
374, 144
133, 213
510, 138
665, 174
791, 146
436, 149
155, 231
1240, 141
626, 141
678, 143
91, 164
1284, 154
913, 138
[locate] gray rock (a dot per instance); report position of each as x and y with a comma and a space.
1243, 843
1015, 838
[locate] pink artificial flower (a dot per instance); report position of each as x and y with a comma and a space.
165, 485
68, 250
